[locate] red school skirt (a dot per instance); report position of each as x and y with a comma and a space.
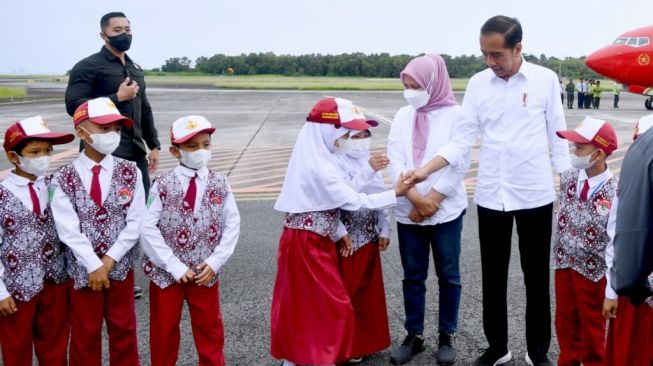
312, 319
363, 279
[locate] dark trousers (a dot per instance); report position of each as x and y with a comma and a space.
415, 243
588, 101
581, 100
142, 166
495, 233
570, 100
616, 101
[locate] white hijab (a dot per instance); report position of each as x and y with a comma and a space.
314, 181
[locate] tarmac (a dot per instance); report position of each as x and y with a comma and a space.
255, 134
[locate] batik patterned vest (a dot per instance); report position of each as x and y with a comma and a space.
30, 251
361, 226
582, 227
323, 223
192, 235
101, 225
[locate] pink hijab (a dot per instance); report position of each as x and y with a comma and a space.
430, 72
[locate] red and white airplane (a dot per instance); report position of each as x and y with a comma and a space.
628, 60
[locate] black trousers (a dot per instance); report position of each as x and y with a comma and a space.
570, 100
588, 101
616, 101
581, 100
142, 166
495, 233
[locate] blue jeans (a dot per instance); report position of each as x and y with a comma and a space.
415, 242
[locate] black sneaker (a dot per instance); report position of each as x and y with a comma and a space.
447, 354
542, 360
492, 358
412, 345
138, 292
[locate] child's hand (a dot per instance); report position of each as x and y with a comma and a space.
8, 306
610, 308
345, 246
99, 279
378, 161
401, 188
205, 275
188, 276
414, 216
108, 262
383, 243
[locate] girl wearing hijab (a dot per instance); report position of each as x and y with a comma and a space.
369, 232
312, 318
430, 216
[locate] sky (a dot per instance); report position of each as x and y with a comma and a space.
49, 37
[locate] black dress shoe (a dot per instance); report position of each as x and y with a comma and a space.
541, 360
493, 358
412, 345
447, 354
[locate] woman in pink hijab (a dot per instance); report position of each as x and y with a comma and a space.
430, 216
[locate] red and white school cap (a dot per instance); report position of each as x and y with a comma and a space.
340, 112
185, 128
33, 127
593, 131
100, 111
643, 125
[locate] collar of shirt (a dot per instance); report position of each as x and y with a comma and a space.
88, 163
17, 180
202, 173
596, 180
110, 56
524, 71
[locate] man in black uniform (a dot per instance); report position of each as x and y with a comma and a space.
111, 73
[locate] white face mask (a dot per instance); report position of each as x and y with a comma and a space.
344, 145
416, 98
36, 166
582, 162
359, 147
105, 143
196, 159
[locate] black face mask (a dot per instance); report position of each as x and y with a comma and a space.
121, 42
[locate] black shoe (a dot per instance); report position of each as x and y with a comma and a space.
492, 358
447, 354
138, 292
412, 345
542, 360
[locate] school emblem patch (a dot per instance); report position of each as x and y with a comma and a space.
124, 196
603, 207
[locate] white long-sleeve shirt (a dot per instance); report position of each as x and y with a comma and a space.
18, 186
67, 221
448, 181
517, 120
155, 246
609, 249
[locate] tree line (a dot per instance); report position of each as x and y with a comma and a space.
381, 65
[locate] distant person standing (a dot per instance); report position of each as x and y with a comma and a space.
111, 73
589, 93
580, 88
562, 93
596, 94
570, 94
616, 90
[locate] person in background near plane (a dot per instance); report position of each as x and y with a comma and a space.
616, 90
596, 95
589, 94
580, 88
562, 92
570, 94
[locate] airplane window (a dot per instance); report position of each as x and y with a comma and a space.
643, 41
632, 42
620, 41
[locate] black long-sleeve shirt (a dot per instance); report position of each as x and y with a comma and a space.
633, 241
100, 75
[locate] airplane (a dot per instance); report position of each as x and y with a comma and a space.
628, 60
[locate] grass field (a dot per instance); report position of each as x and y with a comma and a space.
12, 92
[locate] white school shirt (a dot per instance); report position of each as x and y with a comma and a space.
448, 181
609, 249
580, 87
67, 222
17, 185
155, 246
596, 182
517, 120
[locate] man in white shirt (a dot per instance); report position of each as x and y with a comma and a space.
514, 106
580, 88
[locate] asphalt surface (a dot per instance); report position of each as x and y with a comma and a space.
255, 134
